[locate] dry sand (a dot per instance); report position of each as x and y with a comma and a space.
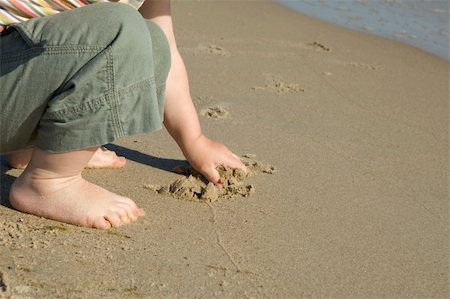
357, 128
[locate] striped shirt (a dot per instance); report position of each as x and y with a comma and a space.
16, 11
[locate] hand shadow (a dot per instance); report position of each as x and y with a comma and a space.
160, 163
7, 180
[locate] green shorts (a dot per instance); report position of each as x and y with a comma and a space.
81, 78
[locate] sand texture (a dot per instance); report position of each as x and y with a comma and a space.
194, 187
357, 128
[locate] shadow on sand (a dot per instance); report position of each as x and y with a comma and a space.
6, 181
149, 160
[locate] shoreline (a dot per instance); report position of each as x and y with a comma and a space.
414, 24
356, 128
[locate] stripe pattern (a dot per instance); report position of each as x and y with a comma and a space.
16, 11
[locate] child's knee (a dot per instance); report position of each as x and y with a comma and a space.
96, 25
119, 16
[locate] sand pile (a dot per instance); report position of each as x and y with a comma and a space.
193, 186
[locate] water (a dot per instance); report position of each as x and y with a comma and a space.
421, 23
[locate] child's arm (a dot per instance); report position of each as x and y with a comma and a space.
180, 116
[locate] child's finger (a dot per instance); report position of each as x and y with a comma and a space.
233, 161
212, 175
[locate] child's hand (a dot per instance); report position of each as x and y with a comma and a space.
205, 155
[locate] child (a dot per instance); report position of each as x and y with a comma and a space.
81, 78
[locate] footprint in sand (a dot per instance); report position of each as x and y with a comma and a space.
277, 84
216, 50
194, 187
363, 65
319, 46
367, 66
215, 112
311, 46
206, 50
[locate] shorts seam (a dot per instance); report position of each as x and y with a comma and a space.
92, 105
111, 94
137, 86
101, 100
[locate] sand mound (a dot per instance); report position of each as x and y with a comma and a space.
194, 187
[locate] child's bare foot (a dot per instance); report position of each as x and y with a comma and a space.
20, 159
72, 200
103, 158
52, 187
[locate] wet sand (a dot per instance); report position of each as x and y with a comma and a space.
356, 128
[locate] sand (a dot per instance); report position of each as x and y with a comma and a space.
356, 128
193, 186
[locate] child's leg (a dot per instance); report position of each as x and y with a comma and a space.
104, 79
52, 187
102, 158
19, 159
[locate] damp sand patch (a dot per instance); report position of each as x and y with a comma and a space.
193, 186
